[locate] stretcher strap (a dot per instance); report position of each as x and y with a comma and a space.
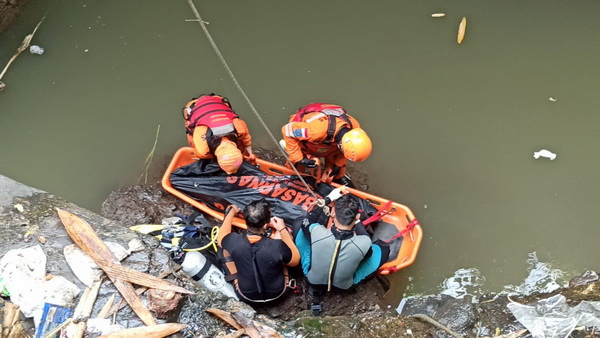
408, 228
378, 215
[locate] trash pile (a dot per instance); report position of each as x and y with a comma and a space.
57, 306
541, 310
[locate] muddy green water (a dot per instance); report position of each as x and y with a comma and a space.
454, 126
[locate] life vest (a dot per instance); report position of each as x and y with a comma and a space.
212, 111
332, 112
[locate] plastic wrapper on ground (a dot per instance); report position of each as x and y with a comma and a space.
553, 318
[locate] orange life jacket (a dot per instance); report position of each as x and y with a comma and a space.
210, 110
332, 112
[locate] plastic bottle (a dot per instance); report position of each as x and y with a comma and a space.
195, 265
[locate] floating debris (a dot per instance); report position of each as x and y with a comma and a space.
35, 49
465, 282
542, 278
26, 43
544, 153
462, 27
552, 99
438, 15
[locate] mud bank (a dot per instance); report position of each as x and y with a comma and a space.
361, 312
28, 218
9, 12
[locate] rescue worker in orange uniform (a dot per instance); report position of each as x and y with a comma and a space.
322, 130
216, 131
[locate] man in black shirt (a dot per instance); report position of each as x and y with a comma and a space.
255, 263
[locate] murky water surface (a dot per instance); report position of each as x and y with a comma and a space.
455, 126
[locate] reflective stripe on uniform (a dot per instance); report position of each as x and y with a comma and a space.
288, 130
292, 132
317, 116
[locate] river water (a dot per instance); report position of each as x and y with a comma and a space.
454, 126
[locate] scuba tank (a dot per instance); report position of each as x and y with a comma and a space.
195, 265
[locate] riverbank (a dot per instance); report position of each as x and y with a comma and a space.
362, 313
27, 216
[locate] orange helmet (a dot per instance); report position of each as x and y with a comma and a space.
356, 145
228, 156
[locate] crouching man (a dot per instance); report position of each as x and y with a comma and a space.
341, 256
255, 263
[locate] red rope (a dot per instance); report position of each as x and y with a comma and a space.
408, 228
378, 215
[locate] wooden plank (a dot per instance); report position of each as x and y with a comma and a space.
84, 310
11, 316
86, 238
143, 279
104, 311
225, 316
154, 331
139, 291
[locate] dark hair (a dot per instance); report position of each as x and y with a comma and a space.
346, 209
257, 214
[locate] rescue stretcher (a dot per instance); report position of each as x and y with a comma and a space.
395, 223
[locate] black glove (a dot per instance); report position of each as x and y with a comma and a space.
308, 163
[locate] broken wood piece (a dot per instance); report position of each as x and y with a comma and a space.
57, 329
251, 327
437, 324
104, 311
267, 330
24, 45
138, 291
462, 27
140, 278
83, 310
11, 326
86, 238
152, 331
438, 15
10, 319
246, 320
225, 316
18, 331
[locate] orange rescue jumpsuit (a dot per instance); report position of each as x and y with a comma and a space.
244, 140
306, 138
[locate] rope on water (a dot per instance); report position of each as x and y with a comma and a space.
230, 73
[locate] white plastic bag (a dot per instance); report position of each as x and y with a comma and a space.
552, 318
